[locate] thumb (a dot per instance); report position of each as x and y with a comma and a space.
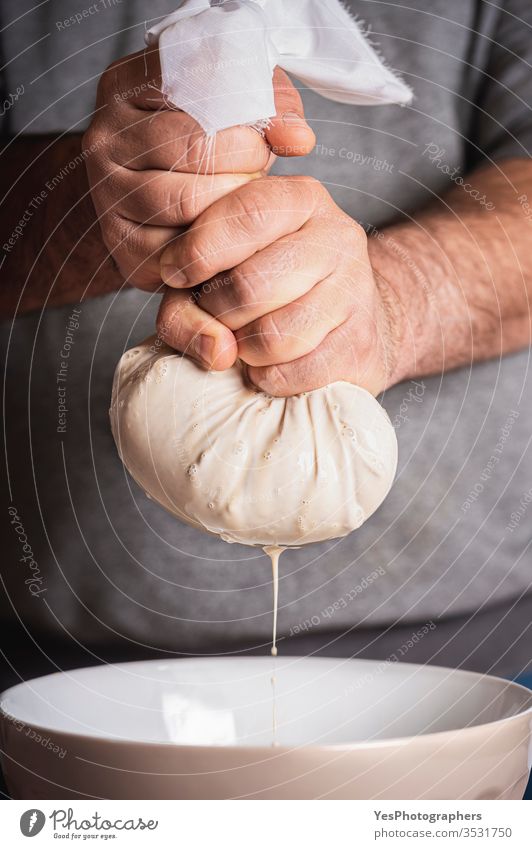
288, 133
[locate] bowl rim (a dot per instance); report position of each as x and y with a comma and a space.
413, 739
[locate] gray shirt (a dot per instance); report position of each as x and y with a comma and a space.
454, 533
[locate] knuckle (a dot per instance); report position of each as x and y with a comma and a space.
249, 210
195, 258
303, 192
307, 187
357, 233
286, 255
112, 189
274, 380
252, 146
351, 237
244, 285
366, 337
357, 229
358, 337
156, 197
185, 203
108, 82
94, 139
131, 239
198, 155
129, 236
308, 182
267, 338
127, 244
342, 293
292, 256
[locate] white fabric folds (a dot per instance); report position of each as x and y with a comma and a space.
217, 58
253, 469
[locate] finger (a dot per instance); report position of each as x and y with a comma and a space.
133, 79
147, 132
345, 354
165, 198
135, 82
297, 329
136, 249
288, 133
239, 225
183, 325
273, 277
173, 141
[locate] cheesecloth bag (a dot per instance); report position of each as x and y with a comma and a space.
217, 58
224, 457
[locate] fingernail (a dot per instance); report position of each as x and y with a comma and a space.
204, 348
173, 276
293, 119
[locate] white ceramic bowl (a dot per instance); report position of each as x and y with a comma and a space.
204, 729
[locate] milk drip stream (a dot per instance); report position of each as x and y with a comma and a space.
274, 552
180, 431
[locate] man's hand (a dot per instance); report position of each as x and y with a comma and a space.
152, 171
301, 300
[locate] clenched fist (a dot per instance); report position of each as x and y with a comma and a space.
300, 303
152, 171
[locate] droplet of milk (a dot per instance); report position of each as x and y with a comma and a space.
226, 538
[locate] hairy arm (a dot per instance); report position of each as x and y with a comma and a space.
52, 251
310, 299
460, 274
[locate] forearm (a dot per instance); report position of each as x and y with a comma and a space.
462, 275
52, 252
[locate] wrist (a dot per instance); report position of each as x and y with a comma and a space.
58, 256
404, 296
390, 332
